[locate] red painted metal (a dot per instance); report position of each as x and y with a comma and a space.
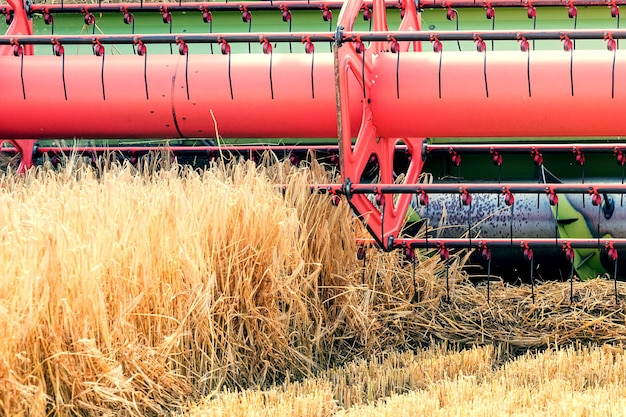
21, 25
507, 110
126, 112
418, 111
385, 216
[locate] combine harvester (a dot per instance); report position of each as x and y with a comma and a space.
498, 120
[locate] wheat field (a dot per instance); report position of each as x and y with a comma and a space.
163, 290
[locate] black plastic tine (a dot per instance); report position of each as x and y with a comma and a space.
582, 173
493, 27
145, 74
534, 28
271, 78
530, 94
211, 31
613, 72
382, 221
171, 50
187, 74
426, 223
230, 79
250, 31
364, 265
102, 78
617, 44
312, 76
571, 283
456, 20
511, 224
540, 177
132, 32
489, 280
556, 225
439, 71
63, 76
363, 72
571, 67
599, 215
22, 73
469, 223
622, 195
398, 75
485, 72
575, 24
416, 297
615, 282
532, 279
447, 280
290, 29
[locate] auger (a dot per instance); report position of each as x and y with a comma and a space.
458, 129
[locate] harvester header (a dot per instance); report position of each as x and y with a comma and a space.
493, 126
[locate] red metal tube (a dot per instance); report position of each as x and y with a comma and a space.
582, 105
463, 109
124, 110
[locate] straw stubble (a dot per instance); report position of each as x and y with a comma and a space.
130, 291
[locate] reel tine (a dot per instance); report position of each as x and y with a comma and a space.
481, 47
570, 255
438, 48
362, 255
183, 49
167, 19
528, 254
569, 46
309, 48
394, 48
207, 17
226, 50
524, 47
142, 50
99, 50
444, 254
246, 17
268, 50
613, 255
287, 18
486, 254
18, 51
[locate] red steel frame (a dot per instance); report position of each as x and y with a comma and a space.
356, 62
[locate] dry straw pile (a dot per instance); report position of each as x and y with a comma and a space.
134, 292
575, 381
